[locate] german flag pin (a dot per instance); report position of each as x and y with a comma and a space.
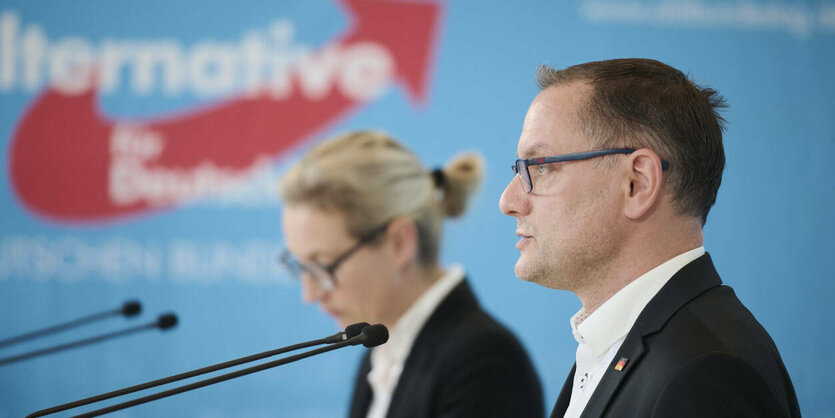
621, 364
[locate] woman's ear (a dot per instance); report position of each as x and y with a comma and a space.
402, 240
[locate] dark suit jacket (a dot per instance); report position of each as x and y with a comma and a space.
694, 351
462, 364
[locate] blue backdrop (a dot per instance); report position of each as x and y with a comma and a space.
160, 186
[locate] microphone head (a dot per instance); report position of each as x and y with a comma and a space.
167, 320
353, 330
131, 308
375, 335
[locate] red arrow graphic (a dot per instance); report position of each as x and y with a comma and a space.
70, 164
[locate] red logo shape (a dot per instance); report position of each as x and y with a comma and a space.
70, 164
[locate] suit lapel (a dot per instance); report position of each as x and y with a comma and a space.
565, 395
434, 332
361, 400
688, 283
632, 350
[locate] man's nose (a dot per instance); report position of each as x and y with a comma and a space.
513, 201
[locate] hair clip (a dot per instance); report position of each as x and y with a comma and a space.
438, 177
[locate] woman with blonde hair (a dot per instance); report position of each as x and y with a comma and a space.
362, 221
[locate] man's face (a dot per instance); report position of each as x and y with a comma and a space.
567, 224
362, 282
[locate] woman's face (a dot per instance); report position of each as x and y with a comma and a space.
363, 281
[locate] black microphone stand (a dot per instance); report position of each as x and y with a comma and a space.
350, 332
164, 321
218, 379
129, 309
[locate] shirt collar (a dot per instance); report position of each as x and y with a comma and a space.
404, 332
613, 320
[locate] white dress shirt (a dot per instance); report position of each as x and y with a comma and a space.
600, 335
387, 360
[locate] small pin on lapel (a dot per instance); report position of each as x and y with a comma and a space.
621, 364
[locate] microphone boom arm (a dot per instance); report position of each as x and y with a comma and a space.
91, 340
130, 308
350, 332
217, 379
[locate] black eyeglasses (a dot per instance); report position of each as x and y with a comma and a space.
521, 165
324, 275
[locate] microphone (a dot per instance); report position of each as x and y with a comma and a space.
163, 322
350, 332
371, 336
128, 309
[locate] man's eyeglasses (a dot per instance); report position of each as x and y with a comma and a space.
324, 275
521, 166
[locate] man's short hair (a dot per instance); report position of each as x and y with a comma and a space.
643, 103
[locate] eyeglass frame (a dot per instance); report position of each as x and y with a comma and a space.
296, 268
527, 180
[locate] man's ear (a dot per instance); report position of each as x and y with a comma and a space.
646, 180
402, 237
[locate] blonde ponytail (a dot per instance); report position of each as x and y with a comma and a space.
462, 177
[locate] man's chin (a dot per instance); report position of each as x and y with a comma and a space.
534, 274
524, 271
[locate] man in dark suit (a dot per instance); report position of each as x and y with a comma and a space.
620, 162
462, 364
